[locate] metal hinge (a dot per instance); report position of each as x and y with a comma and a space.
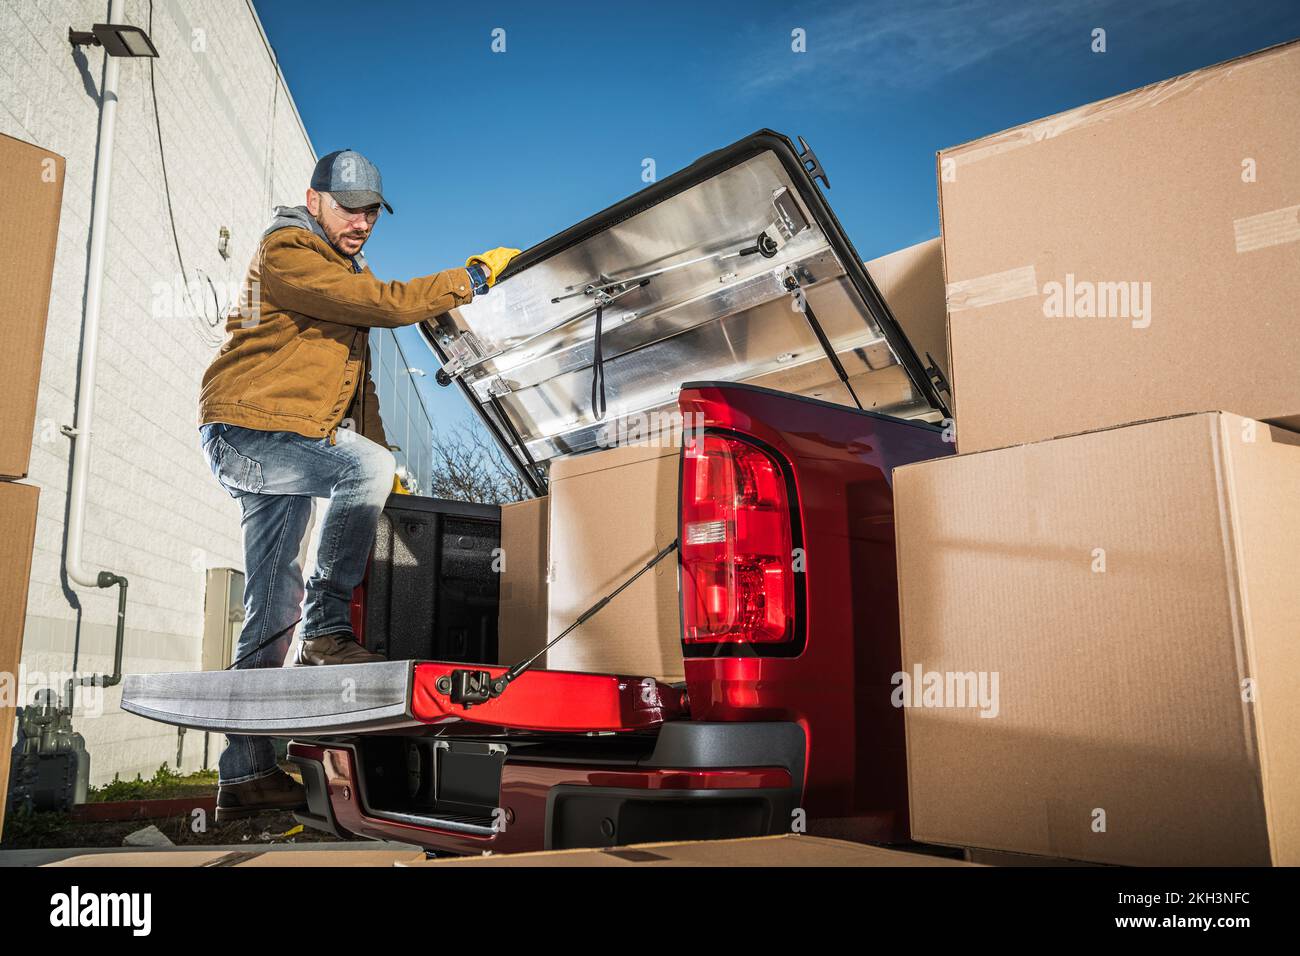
463, 352
812, 164
937, 378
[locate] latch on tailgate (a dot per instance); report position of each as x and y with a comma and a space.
468, 688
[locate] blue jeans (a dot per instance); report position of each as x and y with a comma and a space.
274, 475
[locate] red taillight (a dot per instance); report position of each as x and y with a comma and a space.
736, 545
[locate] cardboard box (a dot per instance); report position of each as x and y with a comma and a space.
1126, 600
912, 282
782, 850
1000, 858
611, 512
1130, 259
521, 617
31, 181
362, 854
18, 531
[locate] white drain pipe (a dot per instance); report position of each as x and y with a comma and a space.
81, 432
86, 368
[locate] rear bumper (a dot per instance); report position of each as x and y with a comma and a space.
696, 781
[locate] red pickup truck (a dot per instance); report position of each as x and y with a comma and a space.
723, 292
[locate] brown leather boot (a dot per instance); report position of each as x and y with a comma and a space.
333, 649
276, 791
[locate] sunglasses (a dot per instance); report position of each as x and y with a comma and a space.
370, 213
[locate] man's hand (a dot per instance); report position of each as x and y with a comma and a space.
493, 262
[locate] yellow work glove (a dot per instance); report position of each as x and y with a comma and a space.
495, 260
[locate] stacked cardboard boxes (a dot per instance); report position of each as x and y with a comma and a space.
1099, 610
31, 182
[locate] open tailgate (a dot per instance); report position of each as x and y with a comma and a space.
394, 695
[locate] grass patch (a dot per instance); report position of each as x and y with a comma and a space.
165, 784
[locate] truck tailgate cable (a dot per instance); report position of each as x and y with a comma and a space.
470, 687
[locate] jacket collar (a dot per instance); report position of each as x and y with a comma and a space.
297, 217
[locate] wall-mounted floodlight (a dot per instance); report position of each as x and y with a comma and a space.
117, 39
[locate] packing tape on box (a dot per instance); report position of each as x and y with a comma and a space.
991, 289
1267, 229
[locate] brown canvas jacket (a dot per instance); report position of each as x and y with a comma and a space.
296, 345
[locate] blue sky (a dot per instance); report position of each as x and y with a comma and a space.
481, 149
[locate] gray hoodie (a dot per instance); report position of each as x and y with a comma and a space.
297, 217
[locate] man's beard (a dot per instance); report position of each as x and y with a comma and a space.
338, 241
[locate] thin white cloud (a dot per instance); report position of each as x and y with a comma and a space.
911, 45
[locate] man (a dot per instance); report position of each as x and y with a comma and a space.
287, 412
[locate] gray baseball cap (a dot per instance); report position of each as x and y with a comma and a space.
350, 178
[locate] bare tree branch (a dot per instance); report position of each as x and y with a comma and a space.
468, 466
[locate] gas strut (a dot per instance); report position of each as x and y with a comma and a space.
470, 687
791, 282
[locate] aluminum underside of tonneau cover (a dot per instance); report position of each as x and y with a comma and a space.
394, 696
733, 269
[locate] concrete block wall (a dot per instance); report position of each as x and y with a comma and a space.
235, 147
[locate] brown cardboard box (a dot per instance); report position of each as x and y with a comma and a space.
18, 532
521, 617
911, 280
31, 182
1186, 193
1133, 592
361, 854
611, 512
782, 850
1000, 858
